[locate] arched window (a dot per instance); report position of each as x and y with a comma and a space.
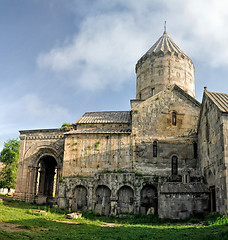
155, 149
174, 165
195, 150
174, 118
152, 91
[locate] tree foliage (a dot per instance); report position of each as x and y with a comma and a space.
66, 125
9, 157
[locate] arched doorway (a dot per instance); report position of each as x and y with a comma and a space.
103, 206
125, 199
80, 199
149, 200
46, 179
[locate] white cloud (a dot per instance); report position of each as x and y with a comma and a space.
209, 30
35, 108
102, 54
115, 34
30, 107
29, 112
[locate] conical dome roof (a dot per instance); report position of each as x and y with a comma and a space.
162, 65
165, 44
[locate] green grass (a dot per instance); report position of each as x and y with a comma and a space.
31, 224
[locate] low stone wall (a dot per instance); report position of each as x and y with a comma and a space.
180, 201
108, 193
116, 193
182, 205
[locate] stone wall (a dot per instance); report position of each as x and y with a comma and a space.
146, 163
109, 193
35, 145
117, 193
161, 71
182, 205
151, 121
153, 116
225, 136
212, 153
86, 154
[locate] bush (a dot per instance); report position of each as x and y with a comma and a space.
194, 220
214, 219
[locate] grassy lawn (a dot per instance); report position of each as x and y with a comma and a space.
19, 220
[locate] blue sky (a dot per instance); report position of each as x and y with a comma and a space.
61, 58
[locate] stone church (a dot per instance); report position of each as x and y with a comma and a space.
168, 155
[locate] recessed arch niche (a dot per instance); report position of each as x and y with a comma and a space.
125, 199
79, 202
103, 206
149, 200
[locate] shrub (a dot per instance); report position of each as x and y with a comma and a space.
214, 219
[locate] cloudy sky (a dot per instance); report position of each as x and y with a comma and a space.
61, 58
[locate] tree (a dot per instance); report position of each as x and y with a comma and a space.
9, 157
67, 126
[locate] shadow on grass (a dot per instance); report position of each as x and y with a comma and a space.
45, 229
43, 226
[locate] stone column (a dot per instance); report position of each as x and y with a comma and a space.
90, 200
113, 203
30, 184
137, 200
41, 182
36, 181
58, 177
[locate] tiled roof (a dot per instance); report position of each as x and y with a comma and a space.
95, 131
165, 44
184, 188
106, 117
220, 99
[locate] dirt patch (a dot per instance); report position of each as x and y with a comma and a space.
65, 222
41, 212
101, 225
110, 225
12, 227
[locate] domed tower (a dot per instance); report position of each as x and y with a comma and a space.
162, 65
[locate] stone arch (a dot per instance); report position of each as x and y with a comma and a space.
175, 152
44, 174
149, 199
46, 151
125, 201
79, 202
102, 205
34, 150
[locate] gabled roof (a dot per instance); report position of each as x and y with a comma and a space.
170, 88
105, 117
219, 99
179, 89
99, 131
